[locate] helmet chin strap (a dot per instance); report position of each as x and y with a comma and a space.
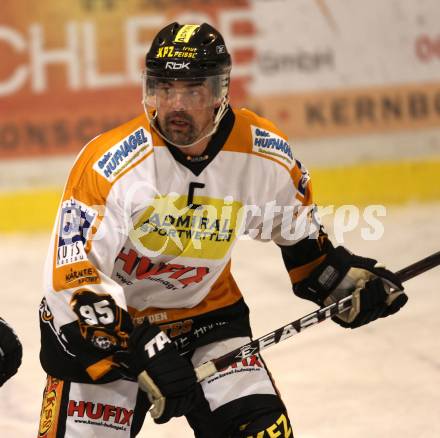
219, 115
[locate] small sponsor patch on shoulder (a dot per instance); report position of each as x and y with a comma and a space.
305, 178
76, 221
123, 154
270, 144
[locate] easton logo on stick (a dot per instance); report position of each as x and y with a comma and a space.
246, 351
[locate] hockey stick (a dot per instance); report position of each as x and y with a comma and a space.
211, 367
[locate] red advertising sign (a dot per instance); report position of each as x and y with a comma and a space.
71, 70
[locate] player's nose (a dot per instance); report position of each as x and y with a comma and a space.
178, 101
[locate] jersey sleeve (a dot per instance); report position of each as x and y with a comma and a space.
88, 309
299, 233
290, 218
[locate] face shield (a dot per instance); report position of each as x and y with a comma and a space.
204, 98
189, 93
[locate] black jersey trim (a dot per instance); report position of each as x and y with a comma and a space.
305, 251
227, 322
197, 164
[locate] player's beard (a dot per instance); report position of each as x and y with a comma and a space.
180, 127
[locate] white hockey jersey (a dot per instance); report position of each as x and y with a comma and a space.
150, 230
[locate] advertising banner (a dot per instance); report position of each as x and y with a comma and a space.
318, 68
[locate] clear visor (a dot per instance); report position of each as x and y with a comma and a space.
184, 94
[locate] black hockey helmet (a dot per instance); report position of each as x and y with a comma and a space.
195, 56
188, 51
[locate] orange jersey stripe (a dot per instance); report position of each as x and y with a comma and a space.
302, 272
50, 409
224, 292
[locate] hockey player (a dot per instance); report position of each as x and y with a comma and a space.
138, 272
11, 352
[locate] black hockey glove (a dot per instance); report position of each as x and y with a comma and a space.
151, 350
10, 352
343, 273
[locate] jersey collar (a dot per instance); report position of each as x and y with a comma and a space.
197, 164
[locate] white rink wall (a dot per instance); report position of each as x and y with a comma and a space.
379, 381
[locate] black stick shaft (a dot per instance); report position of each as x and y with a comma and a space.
311, 319
419, 267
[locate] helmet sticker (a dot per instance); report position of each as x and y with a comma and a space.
172, 52
185, 33
177, 65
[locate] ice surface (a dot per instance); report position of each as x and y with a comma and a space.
379, 381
